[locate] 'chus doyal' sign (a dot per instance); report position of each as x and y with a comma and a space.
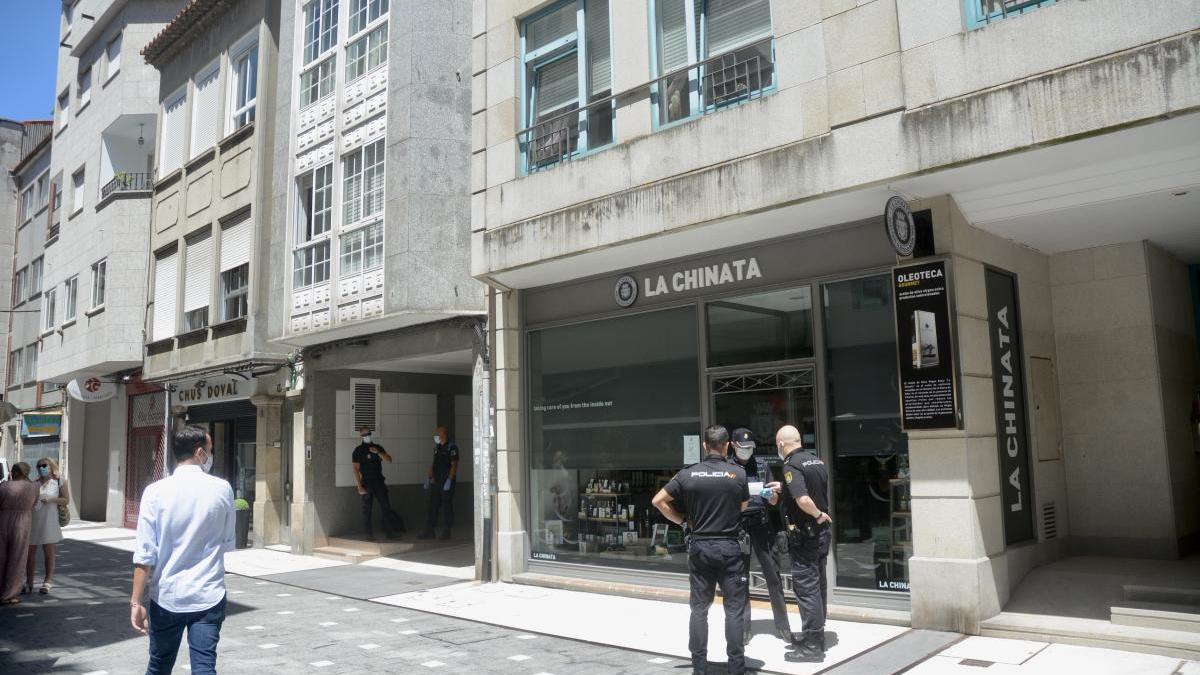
1012, 428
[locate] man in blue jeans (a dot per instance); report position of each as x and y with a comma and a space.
185, 526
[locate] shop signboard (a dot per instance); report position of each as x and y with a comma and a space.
213, 389
1012, 423
928, 391
33, 426
91, 389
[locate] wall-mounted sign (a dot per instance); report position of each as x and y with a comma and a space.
707, 276
901, 230
1012, 427
214, 389
626, 292
91, 389
33, 425
928, 395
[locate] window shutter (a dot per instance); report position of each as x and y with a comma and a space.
672, 35
558, 86
166, 281
550, 27
198, 272
171, 151
235, 243
204, 114
364, 403
598, 52
734, 23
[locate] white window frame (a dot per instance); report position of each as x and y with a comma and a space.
362, 15
99, 282
31, 363
111, 70
165, 317
70, 299
49, 309
170, 161
27, 200
16, 364
20, 285
43, 191
356, 177
83, 93
304, 275
353, 246
367, 53
64, 108
239, 115
78, 189
205, 130
36, 271
318, 30
321, 74
239, 295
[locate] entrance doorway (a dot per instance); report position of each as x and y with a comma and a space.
144, 457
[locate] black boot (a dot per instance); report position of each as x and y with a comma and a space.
810, 648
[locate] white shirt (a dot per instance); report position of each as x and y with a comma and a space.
185, 525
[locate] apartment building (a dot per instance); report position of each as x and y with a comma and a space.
208, 289
679, 207
94, 274
368, 254
35, 432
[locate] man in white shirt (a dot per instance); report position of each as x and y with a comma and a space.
185, 525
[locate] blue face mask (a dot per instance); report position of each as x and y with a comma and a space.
44, 471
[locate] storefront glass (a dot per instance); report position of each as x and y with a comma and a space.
872, 517
614, 413
775, 326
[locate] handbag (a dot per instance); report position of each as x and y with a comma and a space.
64, 514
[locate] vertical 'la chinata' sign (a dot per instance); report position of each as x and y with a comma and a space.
926, 355
1012, 428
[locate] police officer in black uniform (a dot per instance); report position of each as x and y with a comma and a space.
715, 493
440, 483
367, 463
806, 502
756, 529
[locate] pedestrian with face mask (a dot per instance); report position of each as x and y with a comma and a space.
185, 526
757, 535
45, 531
440, 484
367, 462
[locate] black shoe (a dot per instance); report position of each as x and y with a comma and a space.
810, 648
425, 535
370, 537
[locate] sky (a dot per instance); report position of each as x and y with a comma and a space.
29, 54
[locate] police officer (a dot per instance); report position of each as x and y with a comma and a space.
756, 529
440, 484
806, 502
715, 494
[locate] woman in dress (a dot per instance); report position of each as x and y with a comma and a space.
17, 497
45, 531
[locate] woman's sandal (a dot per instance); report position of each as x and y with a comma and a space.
11, 601
45, 589
26, 589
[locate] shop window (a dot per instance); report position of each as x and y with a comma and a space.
567, 107
710, 54
614, 413
869, 453
774, 326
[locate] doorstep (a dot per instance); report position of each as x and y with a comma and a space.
838, 612
1092, 633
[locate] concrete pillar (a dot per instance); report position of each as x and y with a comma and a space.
511, 531
302, 518
268, 464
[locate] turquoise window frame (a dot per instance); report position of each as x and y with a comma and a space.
574, 45
694, 52
975, 16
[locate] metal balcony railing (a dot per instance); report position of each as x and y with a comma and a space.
561, 136
982, 12
127, 182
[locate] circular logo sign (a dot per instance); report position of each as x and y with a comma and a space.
898, 220
626, 291
91, 389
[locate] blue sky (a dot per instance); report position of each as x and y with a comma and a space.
29, 52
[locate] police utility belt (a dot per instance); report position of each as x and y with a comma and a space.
796, 534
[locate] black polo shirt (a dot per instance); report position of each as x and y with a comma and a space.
804, 474
714, 491
370, 464
443, 456
757, 471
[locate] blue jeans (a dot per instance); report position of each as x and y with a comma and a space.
203, 632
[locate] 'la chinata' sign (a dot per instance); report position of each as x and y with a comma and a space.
742, 269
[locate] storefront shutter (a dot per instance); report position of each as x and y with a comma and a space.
166, 282
235, 243
205, 120
672, 34
558, 86
734, 23
598, 52
198, 273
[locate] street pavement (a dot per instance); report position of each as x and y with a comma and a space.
299, 614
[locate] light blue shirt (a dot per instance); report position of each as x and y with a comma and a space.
185, 526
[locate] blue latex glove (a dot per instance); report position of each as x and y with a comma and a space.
766, 494
428, 481
446, 486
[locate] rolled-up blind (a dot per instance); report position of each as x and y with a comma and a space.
198, 272
557, 86
166, 275
235, 243
205, 120
734, 23
550, 27
174, 114
672, 35
598, 52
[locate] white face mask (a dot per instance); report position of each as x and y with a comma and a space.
206, 466
744, 454
367, 438
437, 440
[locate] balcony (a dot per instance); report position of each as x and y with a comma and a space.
127, 182
982, 12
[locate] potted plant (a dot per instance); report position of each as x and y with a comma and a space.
241, 509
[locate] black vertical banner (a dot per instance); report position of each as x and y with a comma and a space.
1012, 423
925, 352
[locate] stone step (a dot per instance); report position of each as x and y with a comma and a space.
1092, 633
1163, 594
343, 554
1164, 615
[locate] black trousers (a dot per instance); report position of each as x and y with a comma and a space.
376, 491
442, 500
761, 542
713, 563
809, 555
